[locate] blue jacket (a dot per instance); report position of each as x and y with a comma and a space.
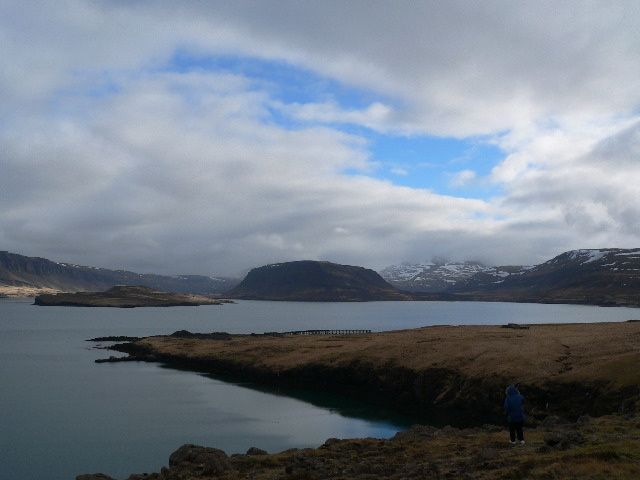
513, 405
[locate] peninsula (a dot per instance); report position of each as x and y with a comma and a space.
123, 296
447, 374
453, 376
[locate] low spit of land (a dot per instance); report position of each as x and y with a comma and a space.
447, 374
125, 296
572, 369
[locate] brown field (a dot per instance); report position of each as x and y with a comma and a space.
568, 352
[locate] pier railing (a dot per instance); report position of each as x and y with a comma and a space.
325, 332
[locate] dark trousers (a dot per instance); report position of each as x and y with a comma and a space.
516, 428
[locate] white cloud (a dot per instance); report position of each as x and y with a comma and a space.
113, 155
462, 178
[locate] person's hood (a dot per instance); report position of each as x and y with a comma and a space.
512, 390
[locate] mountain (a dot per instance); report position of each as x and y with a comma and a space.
609, 276
438, 275
28, 276
309, 280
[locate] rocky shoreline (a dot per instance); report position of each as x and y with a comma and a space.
605, 447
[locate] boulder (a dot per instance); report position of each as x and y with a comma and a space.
256, 451
199, 460
563, 440
553, 421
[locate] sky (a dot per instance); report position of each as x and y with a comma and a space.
212, 137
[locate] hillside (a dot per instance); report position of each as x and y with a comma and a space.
595, 277
30, 276
315, 281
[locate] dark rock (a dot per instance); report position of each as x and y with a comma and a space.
449, 430
94, 476
554, 421
583, 420
563, 440
113, 359
363, 467
256, 451
114, 338
491, 428
331, 441
484, 456
416, 432
199, 460
202, 336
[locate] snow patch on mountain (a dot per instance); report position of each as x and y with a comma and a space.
436, 275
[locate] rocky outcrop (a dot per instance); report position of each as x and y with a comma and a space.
199, 461
124, 297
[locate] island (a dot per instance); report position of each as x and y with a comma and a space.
125, 296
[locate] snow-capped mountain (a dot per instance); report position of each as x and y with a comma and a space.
608, 276
437, 275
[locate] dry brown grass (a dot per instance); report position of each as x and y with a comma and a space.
571, 352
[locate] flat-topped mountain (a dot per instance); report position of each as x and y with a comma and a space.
315, 281
28, 276
124, 296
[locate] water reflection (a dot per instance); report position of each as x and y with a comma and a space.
291, 403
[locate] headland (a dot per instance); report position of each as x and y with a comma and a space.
581, 383
446, 374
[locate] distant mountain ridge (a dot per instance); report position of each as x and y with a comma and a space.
607, 276
439, 275
34, 275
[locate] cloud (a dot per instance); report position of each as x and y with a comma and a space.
115, 154
462, 178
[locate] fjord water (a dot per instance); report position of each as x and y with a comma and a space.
61, 414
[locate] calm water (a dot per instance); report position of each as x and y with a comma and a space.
61, 414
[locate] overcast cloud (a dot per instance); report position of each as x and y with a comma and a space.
213, 137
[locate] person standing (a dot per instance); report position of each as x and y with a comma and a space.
513, 407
